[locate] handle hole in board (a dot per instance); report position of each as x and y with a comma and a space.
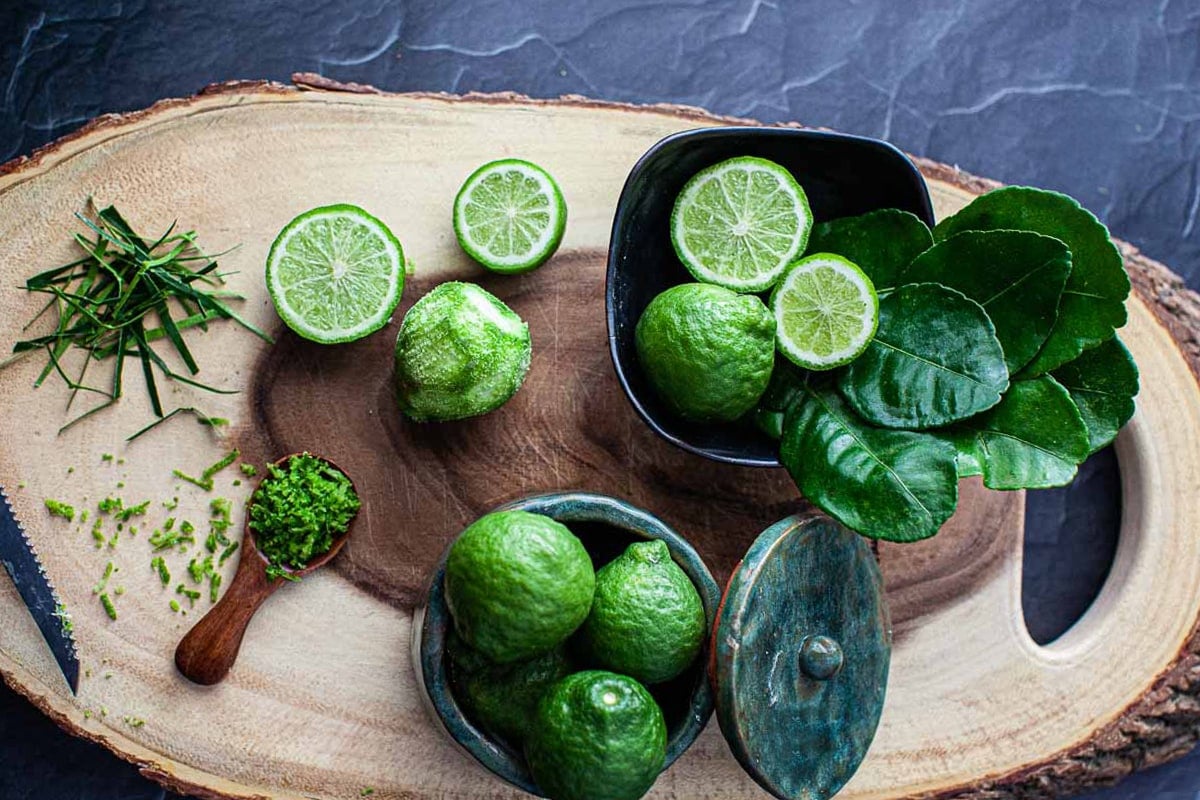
1071, 539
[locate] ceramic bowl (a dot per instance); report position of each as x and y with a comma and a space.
606, 526
842, 176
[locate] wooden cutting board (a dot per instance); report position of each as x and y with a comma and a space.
323, 701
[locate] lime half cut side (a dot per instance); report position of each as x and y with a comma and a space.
510, 216
826, 311
335, 274
739, 223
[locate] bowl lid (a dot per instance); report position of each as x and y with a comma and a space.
800, 657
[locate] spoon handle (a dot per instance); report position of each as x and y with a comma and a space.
207, 652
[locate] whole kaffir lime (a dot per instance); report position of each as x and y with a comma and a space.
298, 511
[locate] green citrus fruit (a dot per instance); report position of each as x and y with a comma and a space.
597, 736
739, 223
706, 351
503, 698
825, 312
647, 620
510, 216
461, 352
335, 274
517, 585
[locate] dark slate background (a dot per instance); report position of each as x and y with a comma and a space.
1096, 98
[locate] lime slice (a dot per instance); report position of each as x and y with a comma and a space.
510, 216
739, 223
825, 312
335, 274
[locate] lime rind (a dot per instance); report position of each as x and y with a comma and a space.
706, 351
510, 216
460, 352
329, 309
739, 223
826, 312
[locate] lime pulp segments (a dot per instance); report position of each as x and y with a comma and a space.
739, 223
826, 311
335, 274
510, 216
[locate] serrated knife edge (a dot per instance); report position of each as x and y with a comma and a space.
20, 559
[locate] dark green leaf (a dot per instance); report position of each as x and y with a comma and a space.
154, 334
104, 238
175, 376
200, 416
103, 298
895, 485
967, 460
172, 332
786, 382
145, 354
1093, 303
881, 243
55, 275
1034, 439
119, 369
1103, 382
1016, 276
121, 228
769, 422
935, 360
87, 414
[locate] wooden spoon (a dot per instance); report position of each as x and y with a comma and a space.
208, 651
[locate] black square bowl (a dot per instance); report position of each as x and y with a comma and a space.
842, 176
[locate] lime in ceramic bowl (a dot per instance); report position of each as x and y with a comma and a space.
606, 526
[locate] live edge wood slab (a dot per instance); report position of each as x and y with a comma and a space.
322, 701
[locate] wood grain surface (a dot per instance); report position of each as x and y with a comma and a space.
322, 701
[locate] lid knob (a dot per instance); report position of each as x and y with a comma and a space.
820, 657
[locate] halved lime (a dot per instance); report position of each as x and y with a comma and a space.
825, 312
335, 274
739, 223
510, 216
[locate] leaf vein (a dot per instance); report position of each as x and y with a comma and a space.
850, 432
931, 363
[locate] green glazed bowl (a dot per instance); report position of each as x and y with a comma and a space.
606, 526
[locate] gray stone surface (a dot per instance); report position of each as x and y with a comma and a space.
1096, 98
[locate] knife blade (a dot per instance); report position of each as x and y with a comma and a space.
21, 561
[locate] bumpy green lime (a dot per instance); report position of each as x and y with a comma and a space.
597, 736
461, 352
503, 698
707, 351
647, 620
517, 584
